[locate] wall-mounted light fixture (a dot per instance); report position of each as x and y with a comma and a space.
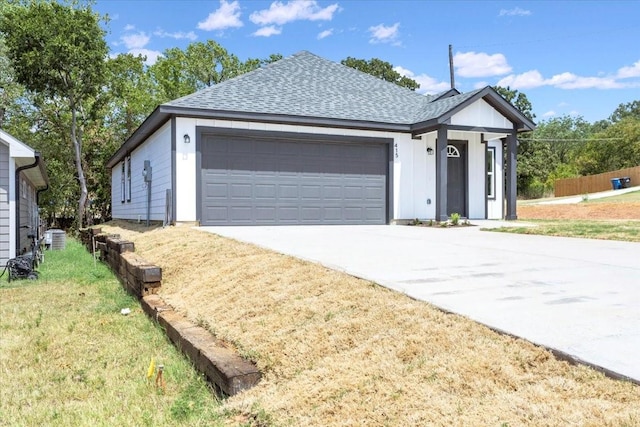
430, 151
187, 138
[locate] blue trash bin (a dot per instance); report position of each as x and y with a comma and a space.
615, 183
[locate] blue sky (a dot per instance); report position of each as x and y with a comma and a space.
577, 58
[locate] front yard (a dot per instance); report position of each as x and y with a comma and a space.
69, 357
336, 350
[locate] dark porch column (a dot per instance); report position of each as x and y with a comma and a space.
441, 174
512, 150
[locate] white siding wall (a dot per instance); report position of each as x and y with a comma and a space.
481, 114
410, 174
414, 171
5, 178
494, 207
157, 149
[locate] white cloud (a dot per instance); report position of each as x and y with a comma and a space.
135, 41
269, 31
226, 16
480, 85
527, 80
383, 34
550, 113
129, 27
325, 33
428, 84
516, 11
566, 80
280, 13
574, 113
152, 55
627, 72
472, 64
177, 35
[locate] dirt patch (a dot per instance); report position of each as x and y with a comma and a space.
341, 351
603, 211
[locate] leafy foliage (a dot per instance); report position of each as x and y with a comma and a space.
381, 69
58, 52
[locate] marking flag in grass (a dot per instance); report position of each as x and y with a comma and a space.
152, 368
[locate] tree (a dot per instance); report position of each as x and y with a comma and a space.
10, 89
179, 73
518, 99
630, 109
130, 94
58, 51
381, 69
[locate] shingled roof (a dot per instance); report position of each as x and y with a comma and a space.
310, 86
307, 89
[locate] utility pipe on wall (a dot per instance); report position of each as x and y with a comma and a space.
146, 173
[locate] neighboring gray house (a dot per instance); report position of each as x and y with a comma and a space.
308, 141
22, 177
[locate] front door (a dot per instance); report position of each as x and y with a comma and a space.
457, 178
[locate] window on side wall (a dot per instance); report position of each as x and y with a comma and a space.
491, 172
122, 185
129, 179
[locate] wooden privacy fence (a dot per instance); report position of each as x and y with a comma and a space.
594, 183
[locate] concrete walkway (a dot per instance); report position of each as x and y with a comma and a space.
581, 198
577, 296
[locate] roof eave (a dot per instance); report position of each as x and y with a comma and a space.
150, 125
493, 98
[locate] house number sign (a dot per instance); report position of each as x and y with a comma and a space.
396, 149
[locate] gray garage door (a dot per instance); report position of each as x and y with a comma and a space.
249, 181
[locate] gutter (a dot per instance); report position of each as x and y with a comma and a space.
17, 191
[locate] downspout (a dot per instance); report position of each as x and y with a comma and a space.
17, 191
46, 187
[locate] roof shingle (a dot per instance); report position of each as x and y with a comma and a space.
307, 85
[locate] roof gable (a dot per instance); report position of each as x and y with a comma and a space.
305, 89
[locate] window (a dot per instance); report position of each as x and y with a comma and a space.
23, 188
122, 185
491, 172
452, 151
129, 179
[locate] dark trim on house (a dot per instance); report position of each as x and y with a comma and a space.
446, 94
493, 98
464, 142
174, 179
480, 129
441, 174
390, 169
164, 112
486, 173
202, 131
512, 150
493, 157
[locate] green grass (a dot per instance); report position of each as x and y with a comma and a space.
68, 357
633, 196
607, 230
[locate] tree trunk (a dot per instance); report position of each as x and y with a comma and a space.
77, 146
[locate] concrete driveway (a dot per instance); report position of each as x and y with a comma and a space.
577, 296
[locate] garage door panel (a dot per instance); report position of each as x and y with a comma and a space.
259, 181
265, 191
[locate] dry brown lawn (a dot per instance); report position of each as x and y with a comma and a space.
340, 351
600, 210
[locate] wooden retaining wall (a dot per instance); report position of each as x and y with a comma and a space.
221, 365
594, 183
